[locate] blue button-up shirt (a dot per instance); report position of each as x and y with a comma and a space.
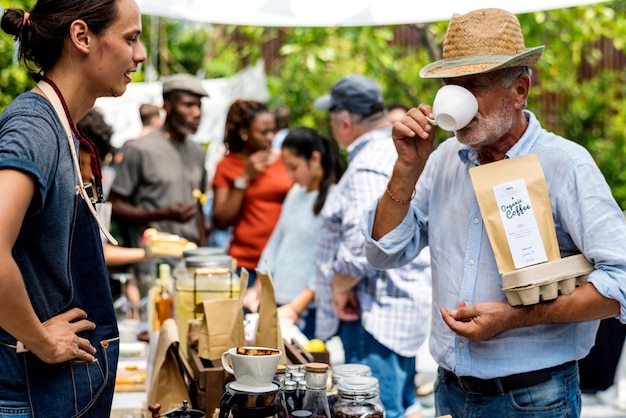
445, 216
395, 304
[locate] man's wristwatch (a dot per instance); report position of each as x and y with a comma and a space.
240, 183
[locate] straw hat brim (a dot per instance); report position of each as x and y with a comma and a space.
477, 64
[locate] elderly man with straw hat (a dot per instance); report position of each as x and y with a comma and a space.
496, 359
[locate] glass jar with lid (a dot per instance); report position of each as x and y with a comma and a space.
180, 269
359, 397
203, 252
205, 277
339, 372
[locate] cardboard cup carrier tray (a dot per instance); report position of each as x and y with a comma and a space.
545, 281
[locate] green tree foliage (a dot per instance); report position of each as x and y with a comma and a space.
578, 90
586, 84
14, 79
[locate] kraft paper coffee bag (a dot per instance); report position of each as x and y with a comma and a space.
514, 202
268, 331
222, 324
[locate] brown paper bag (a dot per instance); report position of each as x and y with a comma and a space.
193, 331
167, 384
268, 332
222, 323
528, 168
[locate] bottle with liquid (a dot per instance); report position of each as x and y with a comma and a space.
279, 379
300, 392
290, 396
164, 301
298, 377
315, 398
155, 289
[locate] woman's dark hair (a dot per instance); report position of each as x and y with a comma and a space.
240, 115
41, 32
302, 142
94, 127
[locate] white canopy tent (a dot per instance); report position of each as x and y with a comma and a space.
122, 113
307, 13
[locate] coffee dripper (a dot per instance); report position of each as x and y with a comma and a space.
244, 404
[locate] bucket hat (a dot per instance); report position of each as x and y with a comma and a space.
481, 41
184, 82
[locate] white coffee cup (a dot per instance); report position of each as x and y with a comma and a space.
255, 370
454, 107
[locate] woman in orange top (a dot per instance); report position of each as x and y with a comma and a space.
250, 182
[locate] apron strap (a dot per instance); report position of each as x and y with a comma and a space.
58, 107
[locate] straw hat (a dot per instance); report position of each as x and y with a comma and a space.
481, 41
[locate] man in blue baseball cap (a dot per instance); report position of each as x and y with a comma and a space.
381, 316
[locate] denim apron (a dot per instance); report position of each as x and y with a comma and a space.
78, 388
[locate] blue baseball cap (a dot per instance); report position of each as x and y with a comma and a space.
354, 93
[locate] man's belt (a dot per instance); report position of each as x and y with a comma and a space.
502, 385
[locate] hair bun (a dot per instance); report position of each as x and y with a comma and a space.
13, 20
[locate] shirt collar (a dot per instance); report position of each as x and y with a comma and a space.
358, 144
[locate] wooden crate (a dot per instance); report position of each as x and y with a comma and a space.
322, 357
208, 381
296, 354
209, 377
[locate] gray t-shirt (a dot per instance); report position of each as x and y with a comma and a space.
33, 141
157, 172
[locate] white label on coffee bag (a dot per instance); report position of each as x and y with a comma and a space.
520, 224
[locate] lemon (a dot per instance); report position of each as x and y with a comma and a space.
315, 346
197, 194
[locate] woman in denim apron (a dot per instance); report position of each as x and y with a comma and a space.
58, 334
90, 383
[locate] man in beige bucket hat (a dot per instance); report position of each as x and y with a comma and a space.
496, 359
